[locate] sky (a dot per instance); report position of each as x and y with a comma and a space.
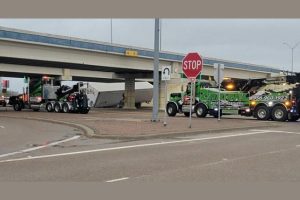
256, 41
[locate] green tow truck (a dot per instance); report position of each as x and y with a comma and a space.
275, 99
205, 101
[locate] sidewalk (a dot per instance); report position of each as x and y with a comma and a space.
116, 123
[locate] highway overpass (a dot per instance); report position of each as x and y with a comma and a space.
67, 58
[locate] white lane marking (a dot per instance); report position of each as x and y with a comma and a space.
297, 133
132, 146
2, 127
116, 180
39, 147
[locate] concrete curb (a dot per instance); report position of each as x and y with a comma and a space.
177, 134
89, 132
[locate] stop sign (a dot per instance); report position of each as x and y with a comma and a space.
192, 65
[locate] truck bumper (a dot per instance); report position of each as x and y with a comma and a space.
245, 112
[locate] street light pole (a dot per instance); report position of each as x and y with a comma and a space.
292, 48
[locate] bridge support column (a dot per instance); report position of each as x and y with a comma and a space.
66, 75
129, 101
173, 86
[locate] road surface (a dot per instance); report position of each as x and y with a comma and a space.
250, 155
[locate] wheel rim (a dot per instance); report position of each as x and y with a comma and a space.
278, 113
200, 111
17, 106
170, 110
65, 109
261, 113
56, 109
49, 107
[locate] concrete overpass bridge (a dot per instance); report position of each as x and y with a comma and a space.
36, 54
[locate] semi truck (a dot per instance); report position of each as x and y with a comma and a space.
264, 99
49, 94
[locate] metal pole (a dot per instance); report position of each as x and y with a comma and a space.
292, 59
160, 30
166, 98
219, 83
191, 99
292, 48
111, 30
155, 72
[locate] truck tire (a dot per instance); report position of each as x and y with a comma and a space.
49, 107
65, 108
279, 113
17, 107
171, 109
262, 113
4, 104
57, 108
201, 110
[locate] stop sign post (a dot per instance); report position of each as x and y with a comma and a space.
192, 65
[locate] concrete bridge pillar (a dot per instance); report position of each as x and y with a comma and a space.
129, 95
66, 75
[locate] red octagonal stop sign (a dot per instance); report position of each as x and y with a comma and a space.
192, 65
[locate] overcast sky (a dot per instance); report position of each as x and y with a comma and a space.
257, 41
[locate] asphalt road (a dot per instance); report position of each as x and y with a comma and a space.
250, 155
18, 135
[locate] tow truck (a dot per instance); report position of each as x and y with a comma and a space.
275, 98
49, 94
205, 101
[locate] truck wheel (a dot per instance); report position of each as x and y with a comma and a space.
17, 107
279, 113
57, 108
49, 107
187, 114
201, 110
4, 104
262, 113
171, 109
65, 108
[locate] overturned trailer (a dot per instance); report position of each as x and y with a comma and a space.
104, 96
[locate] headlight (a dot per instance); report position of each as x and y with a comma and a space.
287, 103
270, 103
252, 103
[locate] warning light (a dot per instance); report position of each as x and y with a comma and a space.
287, 103
230, 86
252, 103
